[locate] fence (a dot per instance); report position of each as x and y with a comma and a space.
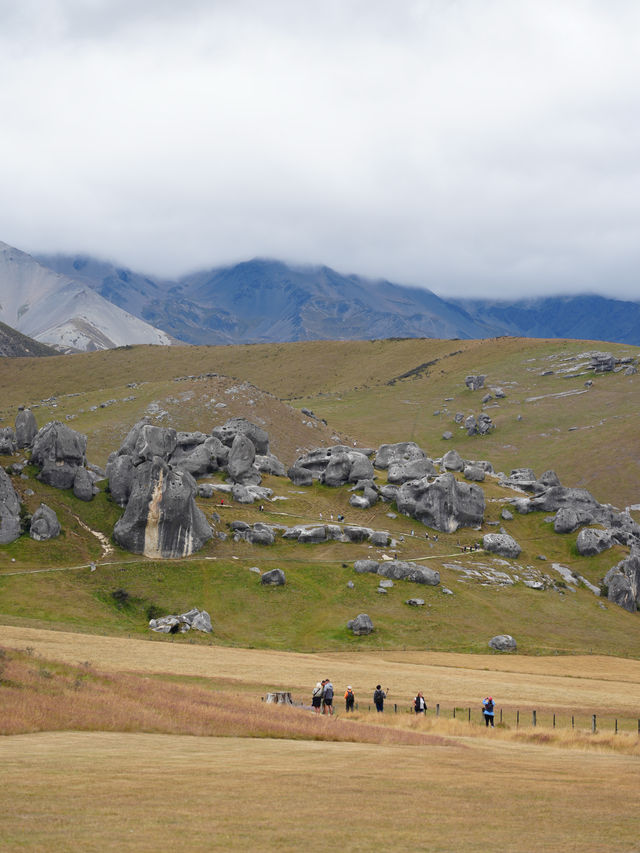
516, 718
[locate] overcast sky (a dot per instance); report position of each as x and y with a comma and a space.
475, 147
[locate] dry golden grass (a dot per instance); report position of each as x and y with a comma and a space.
101, 791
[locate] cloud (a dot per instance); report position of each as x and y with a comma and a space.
474, 148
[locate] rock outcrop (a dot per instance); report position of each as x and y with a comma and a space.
591, 541
26, 428
333, 466
475, 383
275, 577
197, 620
444, 504
44, 524
361, 625
501, 544
161, 518
398, 570
7, 441
503, 643
9, 510
622, 582
59, 451
401, 452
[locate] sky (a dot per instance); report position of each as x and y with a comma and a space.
484, 148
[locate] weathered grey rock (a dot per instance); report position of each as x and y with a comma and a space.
44, 524
338, 469
579, 501
499, 393
485, 424
452, 461
602, 362
186, 443
591, 541
361, 625
356, 534
623, 582
366, 566
270, 464
447, 435
445, 504
388, 492
379, 538
566, 520
458, 417
471, 424
631, 370
415, 602
474, 383
9, 510
521, 478
386, 583
400, 570
59, 451
199, 620
506, 515
300, 476
201, 460
242, 494
381, 590
26, 428
154, 441
549, 478
205, 490
361, 502
503, 643
501, 544
241, 426
361, 467
260, 534
415, 469
474, 473
120, 475
275, 577
487, 398
7, 441
83, 487
161, 518
403, 451
350, 585
240, 462
313, 535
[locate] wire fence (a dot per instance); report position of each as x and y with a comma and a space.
521, 718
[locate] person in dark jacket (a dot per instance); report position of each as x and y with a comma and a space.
488, 710
349, 699
327, 698
420, 704
379, 695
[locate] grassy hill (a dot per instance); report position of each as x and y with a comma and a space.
368, 392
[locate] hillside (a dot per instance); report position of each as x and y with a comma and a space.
14, 344
369, 393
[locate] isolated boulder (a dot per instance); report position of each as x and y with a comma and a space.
275, 577
59, 451
445, 504
198, 620
475, 383
7, 441
26, 428
501, 544
9, 510
161, 518
503, 643
591, 541
403, 451
120, 475
361, 625
366, 567
602, 362
400, 570
44, 524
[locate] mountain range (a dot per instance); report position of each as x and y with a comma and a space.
76, 302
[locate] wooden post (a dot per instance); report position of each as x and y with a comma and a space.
616, 729
572, 721
454, 712
593, 724
469, 714
517, 718
395, 708
554, 720
533, 718
438, 714
500, 715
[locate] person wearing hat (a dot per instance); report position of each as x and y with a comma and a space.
488, 710
349, 699
316, 696
327, 697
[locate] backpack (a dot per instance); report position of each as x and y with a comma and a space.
378, 696
348, 695
328, 692
488, 706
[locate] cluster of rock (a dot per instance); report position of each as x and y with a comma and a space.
399, 570
197, 620
606, 362
260, 533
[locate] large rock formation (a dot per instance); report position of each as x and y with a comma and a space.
445, 504
591, 541
26, 428
44, 524
333, 466
7, 441
622, 582
398, 570
501, 544
59, 451
240, 467
9, 510
198, 620
161, 518
415, 469
403, 451
120, 474
241, 426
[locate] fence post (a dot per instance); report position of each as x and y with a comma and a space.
395, 708
454, 712
572, 722
616, 729
501, 715
518, 720
639, 728
593, 724
533, 718
438, 714
469, 714
554, 720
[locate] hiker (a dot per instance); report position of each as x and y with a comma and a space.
349, 699
488, 709
420, 704
316, 697
379, 695
327, 698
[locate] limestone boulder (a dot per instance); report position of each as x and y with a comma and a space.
270, 464
366, 567
337, 470
242, 454
8, 443
474, 473
26, 428
120, 475
161, 518
59, 451
201, 459
403, 451
444, 504
361, 625
241, 426
300, 476
154, 441
592, 541
566, 520
452, 461
415, 469
623, 582
475, 383
198, 620
503, 643
44, 524
83, 485
9, 510
405, 571
501, 544
275, 577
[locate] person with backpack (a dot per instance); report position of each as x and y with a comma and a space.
316, 696
379, 695
420, 704
327, 698
488, 710
349, 699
